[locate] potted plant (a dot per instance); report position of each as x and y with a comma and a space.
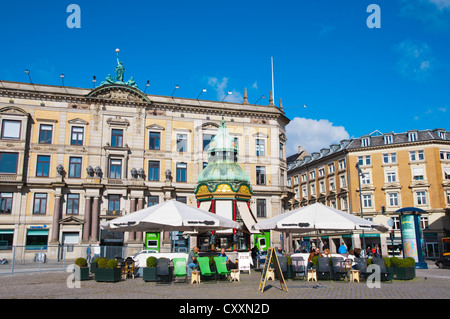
404, 268
149, 272
83, 274
94, 265
107, 270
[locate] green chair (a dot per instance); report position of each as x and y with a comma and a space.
205, 270
179, 268
221, 266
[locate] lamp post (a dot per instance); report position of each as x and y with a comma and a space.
147, 85
94, 80
262, 97
361, 204
176, 88
62, 79
29, 76
229, 93
202, 91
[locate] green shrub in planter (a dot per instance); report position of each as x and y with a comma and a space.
149, 272
404, 268
83, 274
107, 270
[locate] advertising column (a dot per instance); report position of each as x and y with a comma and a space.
412, 238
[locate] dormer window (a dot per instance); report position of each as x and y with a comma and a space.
365, 141
441, 134
388, 139
412, 136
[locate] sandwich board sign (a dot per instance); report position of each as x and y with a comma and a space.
272, 259
244, 261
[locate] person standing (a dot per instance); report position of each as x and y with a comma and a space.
342, 249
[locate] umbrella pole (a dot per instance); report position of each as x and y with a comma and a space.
317, 239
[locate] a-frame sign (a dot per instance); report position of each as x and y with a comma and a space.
272, 259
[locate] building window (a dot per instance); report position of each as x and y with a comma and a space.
365, 178
388, 139
153, 170
260, 144
344, 203
332, 184
207, 138
45, 134
36, 239
40, 204
342, 180
11, 130
152, 200
393, 199
295, 179
412, 136
390, 158
312, 175
322, 186
391, 177
8, 163
365, 142
331, 168
77, 135
364, 160
321, 172
75, 167
304, 177
260, 208
114, 203
367, 201
181, 199
116, 138
418, 174
448, 197
155, 141
6, 203
281, 150
416, 156
444, 155
181, 142
43, 166
313, 189
115, 169
447, 173
421, 198
304, 191
342, 164
260, 175
424, 222
73, 204
182, 172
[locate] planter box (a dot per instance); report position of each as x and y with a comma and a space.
149, 274
83, 275
108, 275
405, 273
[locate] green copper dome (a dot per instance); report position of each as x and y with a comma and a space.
222, 160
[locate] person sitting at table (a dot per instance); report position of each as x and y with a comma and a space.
316, 252
327, 253
192, 260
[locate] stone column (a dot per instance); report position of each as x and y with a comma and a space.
87, 219
56, 217
139, 234
132, 234
95, 217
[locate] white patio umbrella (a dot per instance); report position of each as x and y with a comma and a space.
169, 216
313, 218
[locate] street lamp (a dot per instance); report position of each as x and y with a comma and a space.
262, 97
229, 93
29, 76
360, 173
202, 91
176, 87
94, 80
147, 85
62, 79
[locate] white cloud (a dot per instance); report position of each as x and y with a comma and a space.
441, 4
312, 134
220, 86
415, 59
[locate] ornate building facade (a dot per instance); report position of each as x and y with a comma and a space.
71, 158
410, 169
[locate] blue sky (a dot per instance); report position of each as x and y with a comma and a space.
353, 79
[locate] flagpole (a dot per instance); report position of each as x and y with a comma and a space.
273, 87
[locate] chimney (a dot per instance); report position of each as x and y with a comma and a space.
299, 149
271, 99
